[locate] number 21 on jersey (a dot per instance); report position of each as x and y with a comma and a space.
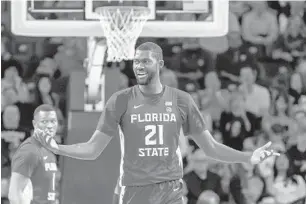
154, 136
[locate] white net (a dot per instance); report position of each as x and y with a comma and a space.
122, 27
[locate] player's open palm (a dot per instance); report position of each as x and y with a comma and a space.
46, 139
262, 153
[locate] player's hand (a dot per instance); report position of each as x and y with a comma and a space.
262, 153
46, 139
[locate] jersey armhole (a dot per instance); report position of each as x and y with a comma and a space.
121, 105
181, 112
34, 151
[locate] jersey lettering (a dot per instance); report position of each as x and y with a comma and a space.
53, 168
154, 136
51, 196
50, 167
153, 117
154, 151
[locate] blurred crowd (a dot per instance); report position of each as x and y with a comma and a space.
250, 86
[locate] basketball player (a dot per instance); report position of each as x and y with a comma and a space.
33, 166
150, 117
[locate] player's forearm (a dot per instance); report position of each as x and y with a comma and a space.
220, 152
227, 154
83, 151
90, 150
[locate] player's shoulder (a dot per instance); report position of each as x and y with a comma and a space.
180, 94
28, 148
119, 100
124, 93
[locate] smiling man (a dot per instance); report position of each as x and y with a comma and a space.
150, 116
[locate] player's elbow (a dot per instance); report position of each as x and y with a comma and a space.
94, 153
94, 156
206, 142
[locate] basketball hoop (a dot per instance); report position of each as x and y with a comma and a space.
122, 27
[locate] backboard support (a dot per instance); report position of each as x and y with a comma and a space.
23, 22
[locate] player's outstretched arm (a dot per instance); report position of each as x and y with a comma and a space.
223, 153
217, 151
106, 129
90, 150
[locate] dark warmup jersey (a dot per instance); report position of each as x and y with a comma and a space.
150, 127
32, 160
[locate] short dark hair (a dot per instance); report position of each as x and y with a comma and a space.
152, 47
44, 107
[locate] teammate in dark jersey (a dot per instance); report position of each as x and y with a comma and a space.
33, 166
150, 117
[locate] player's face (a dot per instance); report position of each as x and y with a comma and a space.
145, 66
46, 120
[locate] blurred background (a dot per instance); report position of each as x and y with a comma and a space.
250, 86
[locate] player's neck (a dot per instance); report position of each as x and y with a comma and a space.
154, 88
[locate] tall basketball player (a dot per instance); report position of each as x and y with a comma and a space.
33, 166
150, 117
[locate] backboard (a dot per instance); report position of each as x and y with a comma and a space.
183, 18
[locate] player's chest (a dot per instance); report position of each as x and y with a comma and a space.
48, 162
144, 112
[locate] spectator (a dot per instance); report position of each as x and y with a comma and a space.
279, 126
259, 26
43, 91
253, 92
235, 185
48, 66
297, 149
68, 57
211, 103
11, 80
287, 187
291, 45
229, 63
200, 178
194, 62
236, 123
254, 189
297, 89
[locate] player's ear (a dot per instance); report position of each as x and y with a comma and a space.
34, 123
161, 63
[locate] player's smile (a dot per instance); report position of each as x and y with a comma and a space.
141, 74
